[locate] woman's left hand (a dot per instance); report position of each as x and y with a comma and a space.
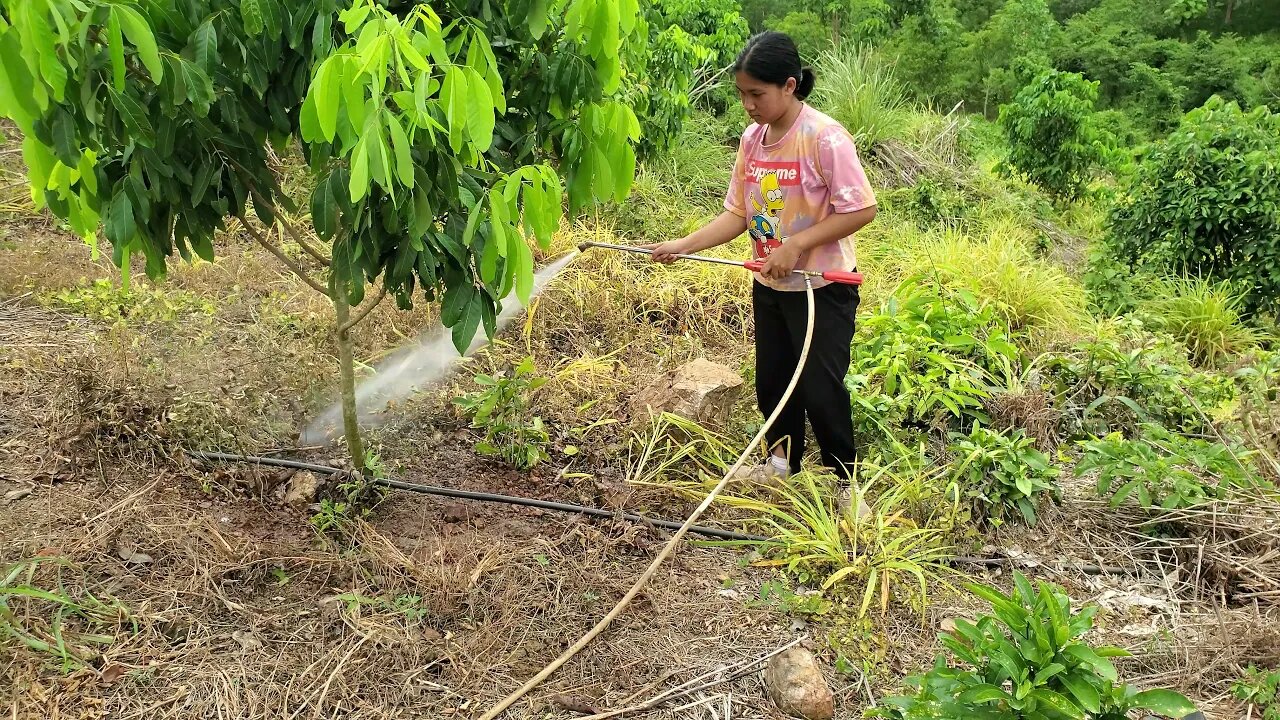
781, 262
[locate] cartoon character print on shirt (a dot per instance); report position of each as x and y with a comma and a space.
768, 201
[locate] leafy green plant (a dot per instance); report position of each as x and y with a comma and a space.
1259, 689
1163, 469
1205, 201
501, 408
1205, 316
1053, 140
1026, 660
1001, 473
879, 555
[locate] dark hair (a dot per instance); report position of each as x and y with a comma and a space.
772, 57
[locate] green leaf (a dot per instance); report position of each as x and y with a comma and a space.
326, 88
523, 260
204, 42
1059, 703
465, 330
480, 111
1164, 702
135, 118
983, 693
1100, 665
537, 18
1085, 694
324, 210
139, 33
65, 143
453, 99
115, 44
400, 142
359, 171
119, 223
251, 15
199, 87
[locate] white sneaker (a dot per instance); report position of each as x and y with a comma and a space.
767, 474
844, 498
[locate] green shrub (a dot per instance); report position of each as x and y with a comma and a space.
1026, 659
1206, 201
501, 408
104, 300
1203, 315
1163, 469
1258, 688
1112, 287
1002, 473
1117, 382
811, 34
1053, 138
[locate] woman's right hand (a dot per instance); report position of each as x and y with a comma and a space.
666, 252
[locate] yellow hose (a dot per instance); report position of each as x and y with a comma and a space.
585, 640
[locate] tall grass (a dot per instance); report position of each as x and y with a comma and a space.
1036, 297
1204, 315
857, 88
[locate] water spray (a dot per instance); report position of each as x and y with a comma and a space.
836, 276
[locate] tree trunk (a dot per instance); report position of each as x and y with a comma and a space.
1231, 5
347, 371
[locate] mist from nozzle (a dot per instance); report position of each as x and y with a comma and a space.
414, 367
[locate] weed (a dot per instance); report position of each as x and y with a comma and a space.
1260, 690
1163, 469
1026, 659
880, 555
43, 616
104, 300
501, 409
1203, 315
1003, 472
1128, 375
859, 90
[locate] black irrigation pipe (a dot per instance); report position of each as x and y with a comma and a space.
482, 496
580, 509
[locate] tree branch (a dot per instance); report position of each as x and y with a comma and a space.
293, 231
377, 299
297, 269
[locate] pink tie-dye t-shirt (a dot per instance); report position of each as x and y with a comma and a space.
794, 183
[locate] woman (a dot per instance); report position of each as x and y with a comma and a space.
800, 192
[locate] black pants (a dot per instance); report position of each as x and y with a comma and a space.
780, 318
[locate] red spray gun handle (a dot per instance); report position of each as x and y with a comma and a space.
836, 276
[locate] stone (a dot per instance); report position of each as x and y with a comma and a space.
701, 390
303, 488
796, 685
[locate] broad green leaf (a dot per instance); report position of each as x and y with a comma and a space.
359, 171
400, 142
522, 257
65, 143
1099, 664
1058, 703
135, 118
87, 166
473, 221
537, 18
120, 225
982, 693
327, 88
467, 325
252, 17
1164, 702
1085, 694
115, 44
199, 87
204, 42
139, 33
324, 211
480, 111
456, 297
454, 101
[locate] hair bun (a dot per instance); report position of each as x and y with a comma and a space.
806, 82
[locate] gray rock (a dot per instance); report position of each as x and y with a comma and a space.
796, 685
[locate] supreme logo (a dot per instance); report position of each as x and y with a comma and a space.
788, 173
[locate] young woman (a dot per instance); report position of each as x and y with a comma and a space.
800, 192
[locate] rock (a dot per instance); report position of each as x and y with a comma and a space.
700, 390
797, 687
16, 495
303, 488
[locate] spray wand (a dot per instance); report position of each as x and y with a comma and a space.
837, 276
